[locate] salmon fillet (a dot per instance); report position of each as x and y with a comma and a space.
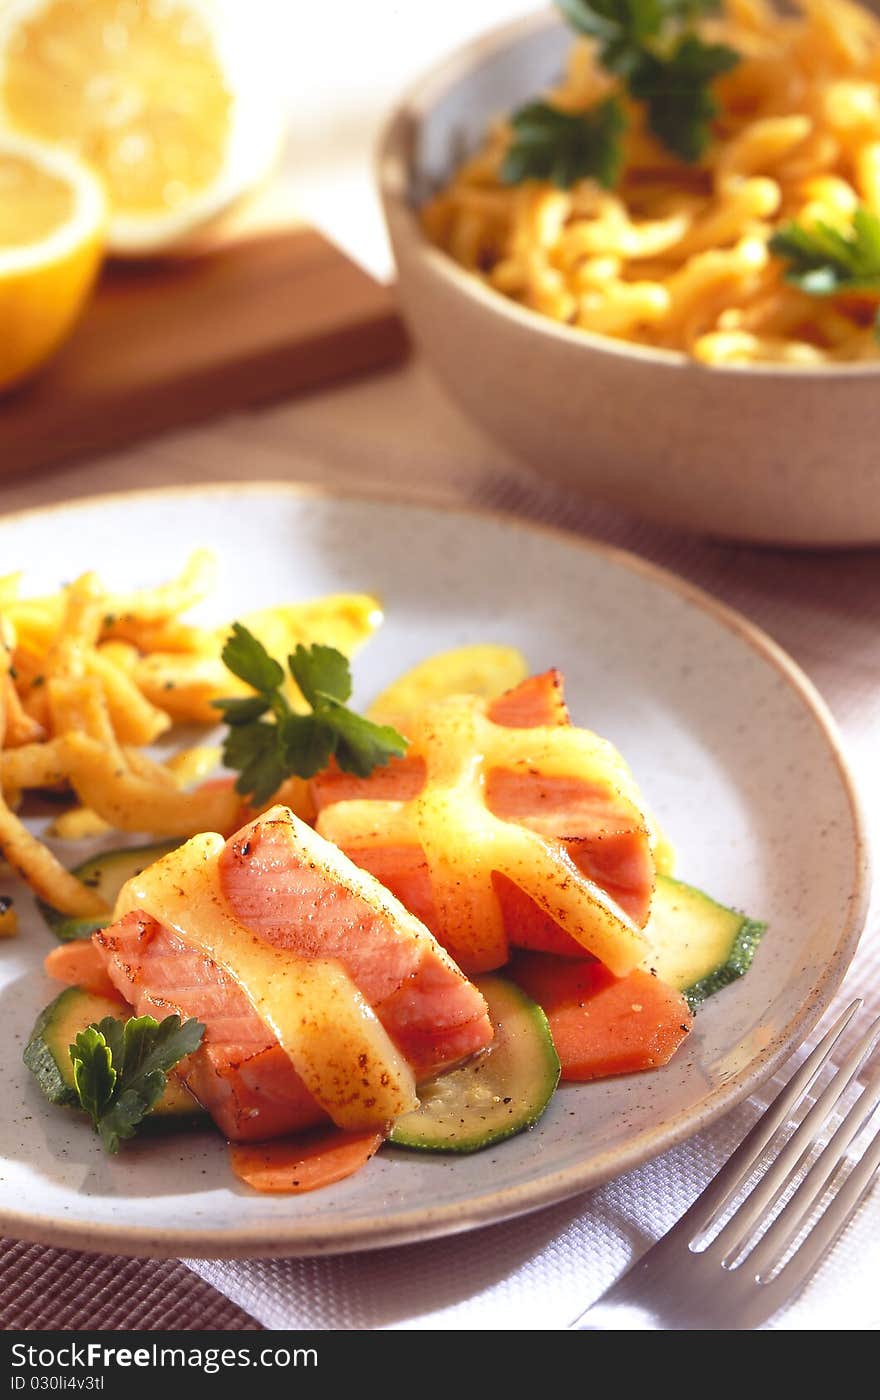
429, 1008
240, 1074
602, 831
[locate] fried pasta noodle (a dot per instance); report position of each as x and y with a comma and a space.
677, 256
90, 677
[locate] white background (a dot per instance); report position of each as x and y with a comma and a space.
340, 67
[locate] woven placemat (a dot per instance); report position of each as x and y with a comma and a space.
56, 1289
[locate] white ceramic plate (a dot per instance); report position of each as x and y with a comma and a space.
733, 749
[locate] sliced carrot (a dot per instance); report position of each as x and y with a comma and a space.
80, 964
305, 1162
603, 1025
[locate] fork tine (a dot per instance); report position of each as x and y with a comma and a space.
732, 1240
773, 1244
794, 1274
675, 1286
737, 1170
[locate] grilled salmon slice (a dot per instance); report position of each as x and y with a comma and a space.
240, 1074
277, 887
602, 829
432, 1012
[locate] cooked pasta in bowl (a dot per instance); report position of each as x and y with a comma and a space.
641, 245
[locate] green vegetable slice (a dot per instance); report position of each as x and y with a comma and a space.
106, 874
47, 1056
699, 945
497, 1093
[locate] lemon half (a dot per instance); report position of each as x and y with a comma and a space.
52, 218
162, 98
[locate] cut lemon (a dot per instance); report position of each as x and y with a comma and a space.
161, 97
52, 217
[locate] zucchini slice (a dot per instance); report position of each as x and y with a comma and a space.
499, 1092
47, 1056
107, 874
699, 946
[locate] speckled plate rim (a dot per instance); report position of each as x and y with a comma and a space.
278, 1238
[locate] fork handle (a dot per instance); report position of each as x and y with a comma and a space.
607, 1316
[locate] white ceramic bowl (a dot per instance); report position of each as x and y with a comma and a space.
755, 453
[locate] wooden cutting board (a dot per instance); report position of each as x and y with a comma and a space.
256, 316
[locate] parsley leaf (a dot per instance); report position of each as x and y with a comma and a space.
152, 1047
248, 659
608, 19
620, 26
626, 25
823, 260
122, 1121
120, 1069
94, 1077
307, 744
677, 93
360, 744
652, 47
264, 750
253, 751
243, 711
322, 673
549, 144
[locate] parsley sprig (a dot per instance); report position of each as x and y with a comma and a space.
625, 27
676, 89
120, 1069
823, 260
662, 62
269, 741
565, 147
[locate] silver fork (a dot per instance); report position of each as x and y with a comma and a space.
735, 1281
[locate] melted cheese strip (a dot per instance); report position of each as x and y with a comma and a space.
464, 842
334, 1040
456, 830
463, 845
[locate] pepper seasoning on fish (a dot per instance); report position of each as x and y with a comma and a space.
569, 866
322, 996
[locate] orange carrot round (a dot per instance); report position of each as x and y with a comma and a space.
603, 1025
305, 1162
